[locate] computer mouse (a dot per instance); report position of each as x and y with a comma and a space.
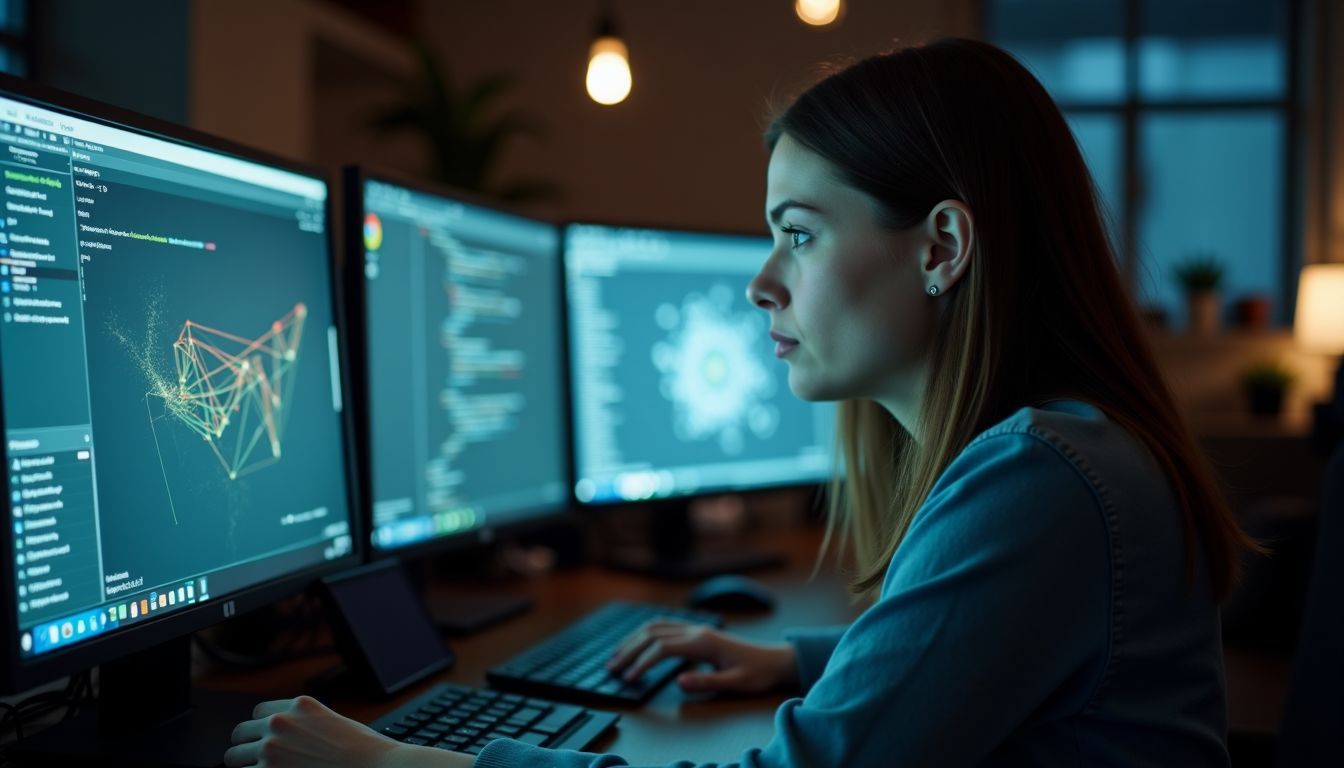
731, 593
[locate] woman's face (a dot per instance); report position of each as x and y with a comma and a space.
846, 296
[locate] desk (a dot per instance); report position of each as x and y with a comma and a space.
674, 725
671, 726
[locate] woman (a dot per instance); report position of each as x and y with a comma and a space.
1042, 544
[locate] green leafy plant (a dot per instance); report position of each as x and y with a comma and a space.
1201, 271
464, 129
1268, 375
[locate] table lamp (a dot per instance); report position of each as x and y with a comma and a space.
1319, 327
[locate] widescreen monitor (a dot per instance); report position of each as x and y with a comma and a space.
676, 389
464, 408
171, 383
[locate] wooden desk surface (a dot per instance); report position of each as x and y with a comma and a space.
672, 725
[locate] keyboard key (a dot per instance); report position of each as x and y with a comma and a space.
556, 720
533, 738
525, 716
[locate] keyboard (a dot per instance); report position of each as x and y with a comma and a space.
462, 719
571, 665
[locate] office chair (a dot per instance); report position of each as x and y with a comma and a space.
1312, 730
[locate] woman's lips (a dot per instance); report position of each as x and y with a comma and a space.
783, 344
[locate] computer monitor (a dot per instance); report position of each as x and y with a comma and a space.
175, 436
675, 389
463, 410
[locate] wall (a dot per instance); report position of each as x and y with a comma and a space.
685, 148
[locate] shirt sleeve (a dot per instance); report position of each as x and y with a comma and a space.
812, 649
997, 601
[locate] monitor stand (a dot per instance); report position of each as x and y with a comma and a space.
147, 715
672, 554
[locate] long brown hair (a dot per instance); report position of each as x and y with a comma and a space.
1041, 312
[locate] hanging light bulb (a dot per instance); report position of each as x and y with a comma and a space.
608, 78
818, 13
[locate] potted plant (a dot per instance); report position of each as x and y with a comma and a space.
1200, 275
1265, 384
464, 129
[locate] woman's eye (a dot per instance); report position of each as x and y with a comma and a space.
797, 237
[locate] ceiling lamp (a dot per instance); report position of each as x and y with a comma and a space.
608, 78
818, 13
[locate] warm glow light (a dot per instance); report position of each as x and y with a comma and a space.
1319, 325
608, 71
818, 13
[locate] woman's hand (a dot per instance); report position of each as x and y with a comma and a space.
739, 666
302, 733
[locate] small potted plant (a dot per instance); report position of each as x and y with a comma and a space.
1200, 275
1265, 384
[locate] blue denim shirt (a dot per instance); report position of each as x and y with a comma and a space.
1037, 613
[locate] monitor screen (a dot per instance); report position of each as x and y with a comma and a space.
464, 365
171, 389
676, 389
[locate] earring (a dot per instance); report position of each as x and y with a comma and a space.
933, 290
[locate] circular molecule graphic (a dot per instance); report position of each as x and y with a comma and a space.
712, 370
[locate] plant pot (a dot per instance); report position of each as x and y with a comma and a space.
1265, 401
1203, 312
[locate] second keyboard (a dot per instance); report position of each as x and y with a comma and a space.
572, 664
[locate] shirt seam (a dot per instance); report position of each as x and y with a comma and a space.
1101, 494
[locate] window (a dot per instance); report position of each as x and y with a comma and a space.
1183, 110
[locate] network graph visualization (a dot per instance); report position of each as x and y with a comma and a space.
233, 391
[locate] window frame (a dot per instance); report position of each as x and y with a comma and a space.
1134, 106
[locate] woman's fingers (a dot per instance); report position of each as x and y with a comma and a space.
242, 754
630, 648
248, 730
268, 708
687, 643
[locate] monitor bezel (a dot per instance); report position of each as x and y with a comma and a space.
353, 179
710, 491
19, 674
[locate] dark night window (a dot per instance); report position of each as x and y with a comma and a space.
1183, 109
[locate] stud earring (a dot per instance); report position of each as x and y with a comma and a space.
933, 290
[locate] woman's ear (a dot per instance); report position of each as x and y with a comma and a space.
951, 240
